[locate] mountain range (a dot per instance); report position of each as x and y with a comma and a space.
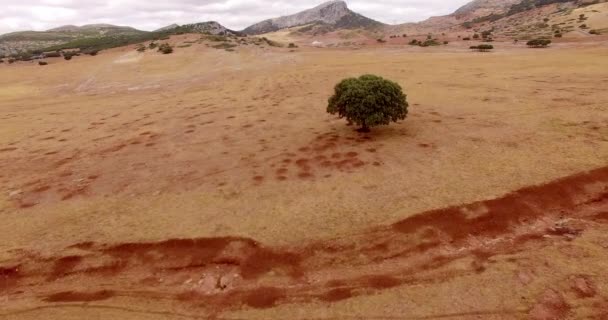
327, 17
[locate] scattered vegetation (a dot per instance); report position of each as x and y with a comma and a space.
368, 101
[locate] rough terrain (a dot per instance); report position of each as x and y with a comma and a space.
212, 184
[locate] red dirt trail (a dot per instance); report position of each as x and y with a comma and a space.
228, 273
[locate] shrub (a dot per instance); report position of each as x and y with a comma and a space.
476, 36
1, 60
466, 38
292, 45
224, 46
153, 45
583, 26
538, 43
381, 41
52, 55
405, 35
482, 47
141, 48
368, 101
165, 48
594, 32
92, 52
558, 35
446, 43
429, 43
11, 61
68, 55
42, 63
414, 42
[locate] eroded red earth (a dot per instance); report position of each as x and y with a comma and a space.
228, 273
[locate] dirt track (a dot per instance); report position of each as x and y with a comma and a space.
275, 208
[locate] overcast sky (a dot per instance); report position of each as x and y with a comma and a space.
17, 15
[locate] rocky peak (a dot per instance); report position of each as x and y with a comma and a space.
330, 13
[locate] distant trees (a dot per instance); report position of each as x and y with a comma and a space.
538, 43
368, 101
482, 47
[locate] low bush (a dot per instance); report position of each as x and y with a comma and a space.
482, 47
538, 43
165, 48
42, 63
466, 38
292, 45
594, 32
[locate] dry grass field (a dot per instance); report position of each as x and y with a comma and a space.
213, 185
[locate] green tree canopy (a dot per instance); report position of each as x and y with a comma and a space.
368, 101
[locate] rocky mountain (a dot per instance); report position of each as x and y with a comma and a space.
481, 8
334, 13
210, 27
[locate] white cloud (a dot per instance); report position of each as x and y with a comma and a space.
234, 14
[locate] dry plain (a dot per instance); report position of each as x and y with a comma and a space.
212, 185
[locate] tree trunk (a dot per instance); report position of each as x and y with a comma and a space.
364, 127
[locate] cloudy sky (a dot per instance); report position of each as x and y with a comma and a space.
18, 15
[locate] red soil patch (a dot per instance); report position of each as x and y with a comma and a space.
417, 249
336, 295
264, 297
64, 266
71, 296
9, 276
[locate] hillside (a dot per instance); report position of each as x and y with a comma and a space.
98, 37
515, 19
31, 40
333, 14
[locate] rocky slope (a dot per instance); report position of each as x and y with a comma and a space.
334, 13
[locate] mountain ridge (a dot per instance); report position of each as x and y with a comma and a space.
333, 13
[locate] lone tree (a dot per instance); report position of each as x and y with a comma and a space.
368, 101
